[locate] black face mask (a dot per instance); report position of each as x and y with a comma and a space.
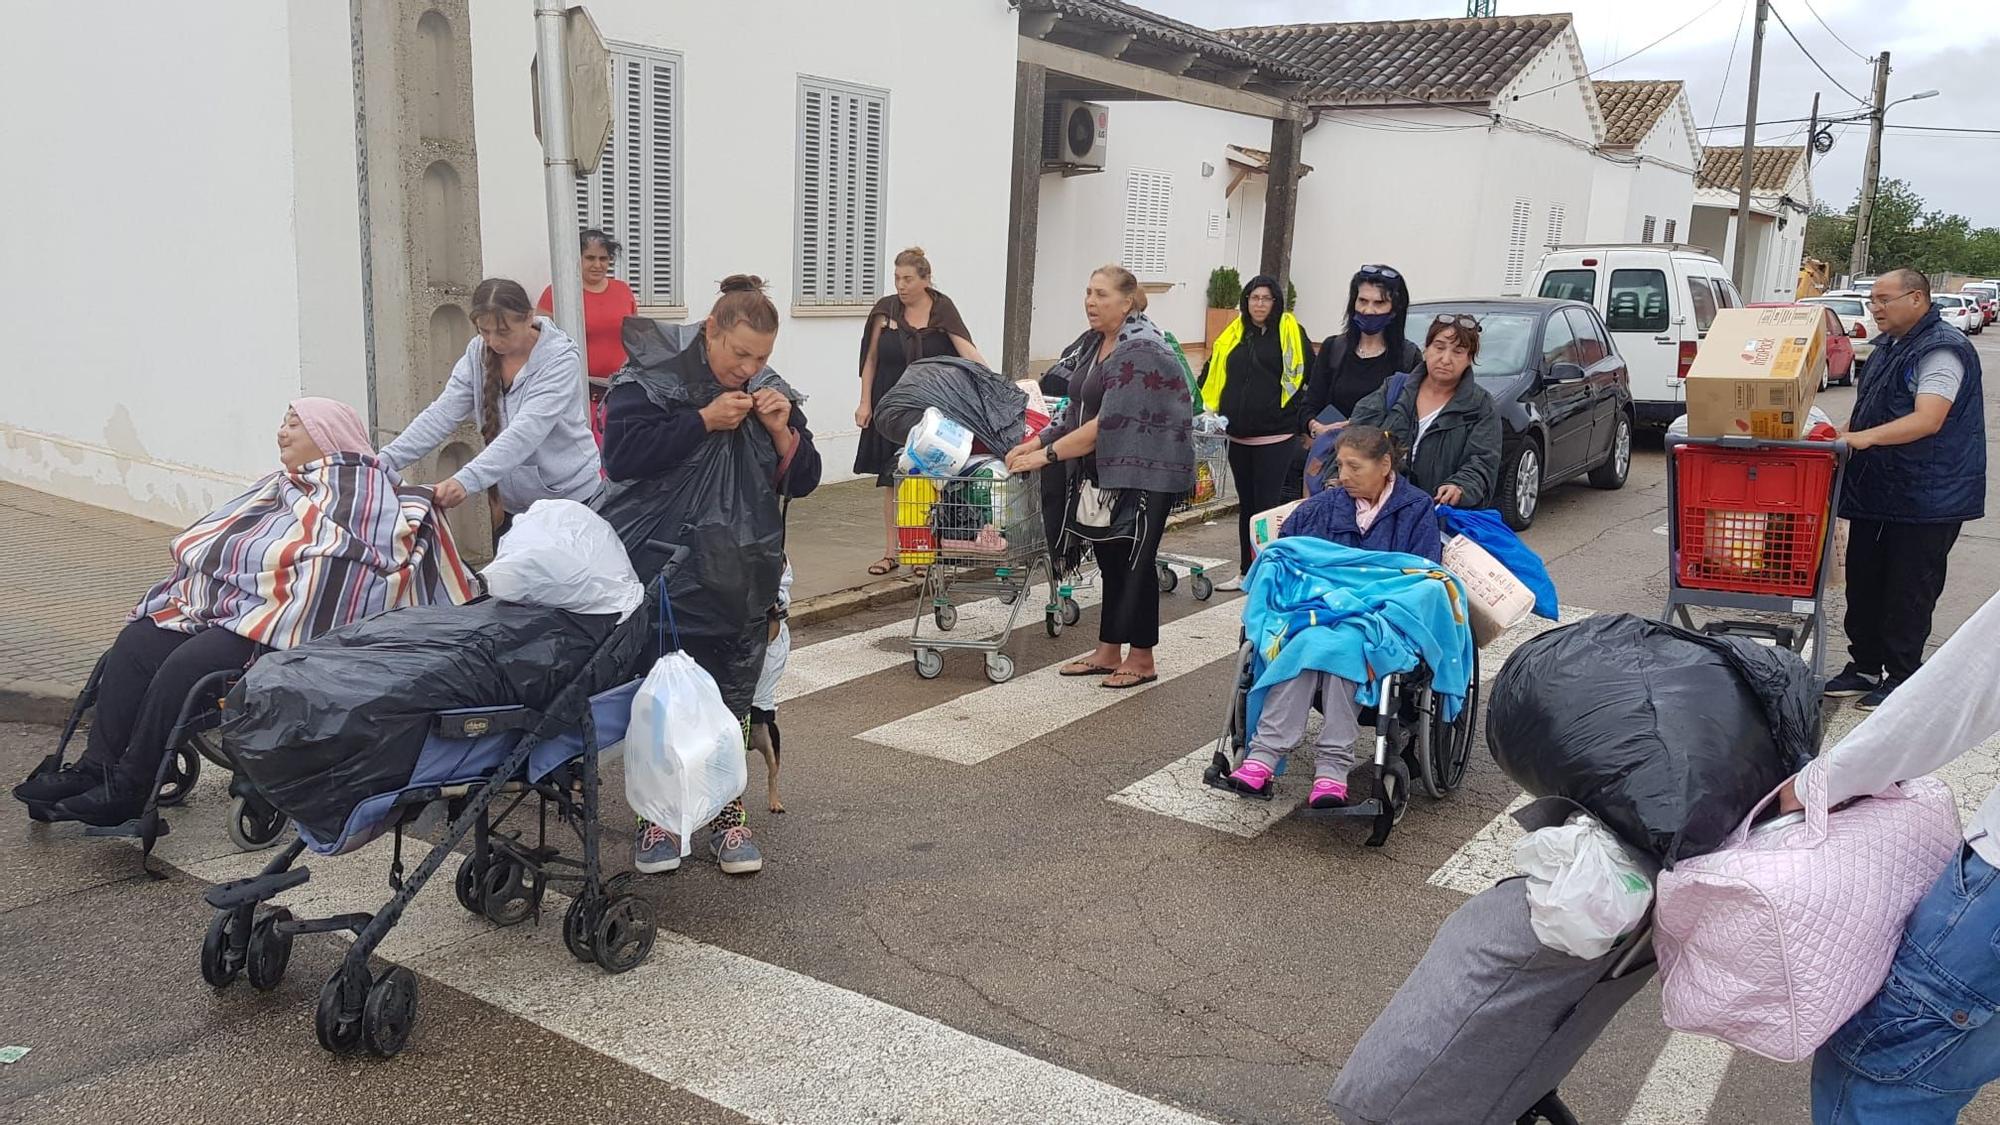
1368, 324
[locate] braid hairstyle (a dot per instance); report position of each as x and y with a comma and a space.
502, 298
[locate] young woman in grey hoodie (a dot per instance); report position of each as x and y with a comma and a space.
522, 378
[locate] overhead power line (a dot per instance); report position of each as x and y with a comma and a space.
1730, 65
1789, 34
1627, 58
1835, 34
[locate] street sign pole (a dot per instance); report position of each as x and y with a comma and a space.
559, 167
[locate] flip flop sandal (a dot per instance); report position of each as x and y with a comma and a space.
1073, 671
884, 566
1136, 681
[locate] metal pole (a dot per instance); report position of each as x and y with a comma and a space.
1740, 267
559, 168
1871, 173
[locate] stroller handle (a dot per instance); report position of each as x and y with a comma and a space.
675, 552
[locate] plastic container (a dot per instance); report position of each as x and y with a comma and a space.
938, 446
1752, 521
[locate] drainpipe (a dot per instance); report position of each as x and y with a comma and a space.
559, 167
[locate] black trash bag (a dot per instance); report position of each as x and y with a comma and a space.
1667, 736
322, 727
988, 404
719, 503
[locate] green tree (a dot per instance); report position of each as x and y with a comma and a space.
1829, 236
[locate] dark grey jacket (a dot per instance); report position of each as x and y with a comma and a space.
1462, 447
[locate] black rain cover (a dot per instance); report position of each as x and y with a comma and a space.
1666, 735
322, 727
988, 404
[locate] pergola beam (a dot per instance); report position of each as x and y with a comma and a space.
1154, 83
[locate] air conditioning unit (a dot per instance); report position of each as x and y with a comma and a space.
1073, 134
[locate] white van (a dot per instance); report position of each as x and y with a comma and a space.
1657, 299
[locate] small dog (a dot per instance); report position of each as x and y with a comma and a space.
764, 737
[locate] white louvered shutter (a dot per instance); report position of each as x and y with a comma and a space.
634, 193
1558, 218
1149, 203
1671, 224
1646, 230
1515, 273
843, 192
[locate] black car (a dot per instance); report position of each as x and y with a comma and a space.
1564, 397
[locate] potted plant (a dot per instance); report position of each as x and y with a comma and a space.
1225, 296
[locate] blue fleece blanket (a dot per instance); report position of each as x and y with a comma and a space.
1318, 606
1485, 527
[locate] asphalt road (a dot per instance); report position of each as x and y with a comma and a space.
986, 903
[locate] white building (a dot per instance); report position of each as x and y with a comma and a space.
1780, 197
1644, 189
200, 254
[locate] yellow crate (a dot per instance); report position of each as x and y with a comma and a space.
917, 546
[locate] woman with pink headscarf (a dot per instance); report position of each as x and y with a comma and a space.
334, 535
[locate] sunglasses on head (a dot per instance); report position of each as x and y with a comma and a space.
1380, 271
1456, 320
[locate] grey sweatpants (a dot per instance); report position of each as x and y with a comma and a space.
1282, 724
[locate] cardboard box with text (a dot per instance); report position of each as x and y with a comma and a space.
1757, 373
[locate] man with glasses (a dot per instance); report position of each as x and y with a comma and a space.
1917, 473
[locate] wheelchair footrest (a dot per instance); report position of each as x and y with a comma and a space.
133, 828
256, 888
1370, 807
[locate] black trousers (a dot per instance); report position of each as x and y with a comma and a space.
1260, 473
147, 677
1895, 575
1131, 572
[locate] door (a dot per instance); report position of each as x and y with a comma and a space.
1565, 402
1639, 314
1601, 366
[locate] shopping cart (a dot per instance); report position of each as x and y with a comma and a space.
1750, 526
1211, 486
977, 536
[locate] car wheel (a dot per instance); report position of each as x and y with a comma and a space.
1521, 485
1618, 465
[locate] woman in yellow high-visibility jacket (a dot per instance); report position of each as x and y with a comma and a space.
1256, 378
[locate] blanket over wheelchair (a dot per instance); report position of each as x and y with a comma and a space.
1360, 615
322, 727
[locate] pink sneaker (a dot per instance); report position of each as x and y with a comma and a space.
1327, 794
1253, 779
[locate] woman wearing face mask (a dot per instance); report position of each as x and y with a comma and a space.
1350, 366
522, 379
607, 301
1442, 418
915, 322
1256, 379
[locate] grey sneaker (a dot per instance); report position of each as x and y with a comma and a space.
734, 852
655, 850
1850, 683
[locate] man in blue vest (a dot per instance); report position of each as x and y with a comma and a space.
1917, 474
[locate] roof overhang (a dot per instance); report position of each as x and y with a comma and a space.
1110, 52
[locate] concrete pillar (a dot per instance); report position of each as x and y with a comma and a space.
1024, 209
420, 177
1281, 198
1728, 252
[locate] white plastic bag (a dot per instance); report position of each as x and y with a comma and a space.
683, 750
562, 555
1586, 889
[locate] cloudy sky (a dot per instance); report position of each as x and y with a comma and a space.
1952, 46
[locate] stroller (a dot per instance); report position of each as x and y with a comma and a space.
473, 758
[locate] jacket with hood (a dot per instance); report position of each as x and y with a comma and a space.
1407, 523
1462, 446
544, 450
1256, 376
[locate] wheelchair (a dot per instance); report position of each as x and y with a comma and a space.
1415, 745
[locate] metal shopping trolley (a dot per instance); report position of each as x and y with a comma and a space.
978, 535
1751, 527
1211, 485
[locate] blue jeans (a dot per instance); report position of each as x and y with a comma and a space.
1920, 1050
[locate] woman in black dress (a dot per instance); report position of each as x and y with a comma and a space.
915, 322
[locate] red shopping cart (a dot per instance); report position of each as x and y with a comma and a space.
1750, 527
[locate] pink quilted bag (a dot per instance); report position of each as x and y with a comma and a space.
1772, 941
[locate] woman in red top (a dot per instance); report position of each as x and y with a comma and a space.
607, 301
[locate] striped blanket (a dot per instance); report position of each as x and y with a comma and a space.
309, 550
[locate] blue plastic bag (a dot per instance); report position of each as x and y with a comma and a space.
1485, 527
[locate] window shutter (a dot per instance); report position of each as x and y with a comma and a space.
843, 192
1558, 217
634, 193
1149, 199
1515, 273
1671, 223
1646, 230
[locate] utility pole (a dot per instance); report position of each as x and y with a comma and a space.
1871, 173
559, 167
1740, 266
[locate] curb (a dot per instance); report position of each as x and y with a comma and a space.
35, 701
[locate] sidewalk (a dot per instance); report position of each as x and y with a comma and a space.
72, 572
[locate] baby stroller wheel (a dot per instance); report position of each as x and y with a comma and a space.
1202, 587
254, 825
508, 893
623, 934
1071, 612
269, 950
184, 767
470, 885
337, 1019
1550, 1109
390, 1012
579, 922
930, 663
1168, 579
220, 963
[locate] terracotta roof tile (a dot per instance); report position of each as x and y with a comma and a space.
1631, 109
1770, 169
1156, 29
1427, 60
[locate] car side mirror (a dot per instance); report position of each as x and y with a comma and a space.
1565, 373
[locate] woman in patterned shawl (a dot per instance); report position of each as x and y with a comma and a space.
331, 537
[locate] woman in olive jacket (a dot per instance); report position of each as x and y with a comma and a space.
1445, 425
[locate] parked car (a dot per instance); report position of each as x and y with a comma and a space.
1860, 320
1962, 313
1563, 391
1839, 349
1657, 301
1987, 293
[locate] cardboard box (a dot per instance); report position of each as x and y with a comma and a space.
1757, 373
1497, 600
1264, 525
